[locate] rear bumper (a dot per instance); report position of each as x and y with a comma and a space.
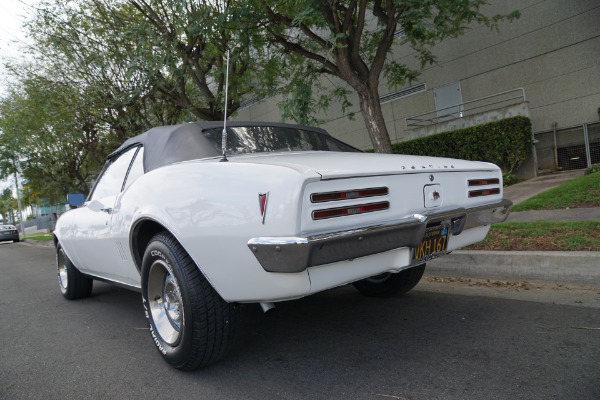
296, 254
6, 238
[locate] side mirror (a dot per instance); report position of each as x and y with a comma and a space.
75, 200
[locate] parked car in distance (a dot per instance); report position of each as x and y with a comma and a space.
291, 211
9, 232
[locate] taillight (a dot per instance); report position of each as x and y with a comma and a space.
348, 194
351, 210
484, 192
483, 182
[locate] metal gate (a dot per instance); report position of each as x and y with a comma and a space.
569, 148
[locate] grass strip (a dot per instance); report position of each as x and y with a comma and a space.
39, 236
578, 193
542, 236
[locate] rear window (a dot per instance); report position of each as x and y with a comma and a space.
264, 139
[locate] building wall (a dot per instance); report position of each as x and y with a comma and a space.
552, 52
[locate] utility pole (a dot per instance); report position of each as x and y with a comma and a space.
19, 204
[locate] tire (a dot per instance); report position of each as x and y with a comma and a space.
16, 240
73, 284
388, 284
189, 322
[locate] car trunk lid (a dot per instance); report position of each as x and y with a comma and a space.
336, 165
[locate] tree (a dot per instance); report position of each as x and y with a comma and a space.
352, 39
47, 138
172, 53
105, 70
7, 205
30, 195
87, 46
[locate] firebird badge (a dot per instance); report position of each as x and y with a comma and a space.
263, 198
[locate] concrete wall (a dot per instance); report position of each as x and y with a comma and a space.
552, 51
471, 120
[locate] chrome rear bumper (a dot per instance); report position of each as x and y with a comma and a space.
295, 254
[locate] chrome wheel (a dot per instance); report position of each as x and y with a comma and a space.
63, 277
73, 284
164, 298
189, 322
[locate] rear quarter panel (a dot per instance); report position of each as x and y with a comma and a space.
212, 209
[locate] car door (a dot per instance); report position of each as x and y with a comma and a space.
96, 250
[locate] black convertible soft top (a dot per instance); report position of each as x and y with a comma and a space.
165, 145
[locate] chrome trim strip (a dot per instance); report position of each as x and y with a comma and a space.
296, 254
488, 214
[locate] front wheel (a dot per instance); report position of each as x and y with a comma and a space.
388, 284
73, 284
189, 322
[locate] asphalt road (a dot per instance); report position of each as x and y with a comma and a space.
441, 341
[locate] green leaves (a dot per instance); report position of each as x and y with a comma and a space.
7, 204
399, 75
50, 138
103, 71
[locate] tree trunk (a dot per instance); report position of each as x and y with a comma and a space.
374, 122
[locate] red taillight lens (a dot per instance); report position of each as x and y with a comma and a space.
348, 194
353, 210
485, 192
482, 182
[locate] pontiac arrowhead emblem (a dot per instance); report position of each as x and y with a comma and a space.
263, 198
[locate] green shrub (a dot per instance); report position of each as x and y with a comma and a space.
509, 179
506, 143
593, 168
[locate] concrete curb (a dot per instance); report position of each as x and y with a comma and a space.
39, 242
555, 266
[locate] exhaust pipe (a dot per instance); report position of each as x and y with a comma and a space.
267, 306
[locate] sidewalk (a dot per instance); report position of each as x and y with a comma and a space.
524, 190
553, 266
529, 188
569, 215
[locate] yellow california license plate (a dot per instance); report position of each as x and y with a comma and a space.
434, 244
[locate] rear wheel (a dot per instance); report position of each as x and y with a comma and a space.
189, 322
388, 284
73, 284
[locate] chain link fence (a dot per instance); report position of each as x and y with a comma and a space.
571, 148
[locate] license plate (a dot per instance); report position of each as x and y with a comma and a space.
434, 244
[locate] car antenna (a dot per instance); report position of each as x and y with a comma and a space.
224, 134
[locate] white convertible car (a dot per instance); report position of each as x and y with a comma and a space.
291, 212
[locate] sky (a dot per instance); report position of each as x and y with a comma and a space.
12, 37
